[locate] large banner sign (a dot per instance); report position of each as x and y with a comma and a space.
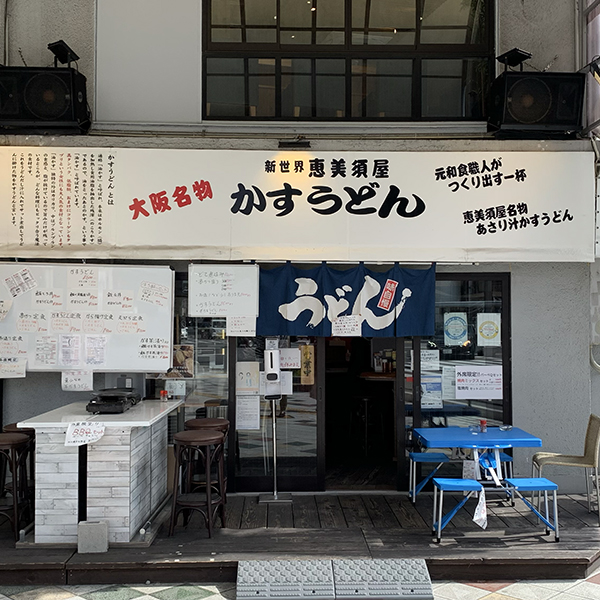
395, 303
295, 205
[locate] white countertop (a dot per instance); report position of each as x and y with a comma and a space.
143, 414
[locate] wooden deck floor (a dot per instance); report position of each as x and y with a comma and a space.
340, 525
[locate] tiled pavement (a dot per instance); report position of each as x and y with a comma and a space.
573, 589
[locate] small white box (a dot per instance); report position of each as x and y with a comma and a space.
92, 536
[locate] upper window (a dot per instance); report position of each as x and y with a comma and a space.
347, 59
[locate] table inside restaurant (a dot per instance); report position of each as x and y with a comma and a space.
494, 439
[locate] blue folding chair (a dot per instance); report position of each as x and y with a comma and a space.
468, 486
438, 458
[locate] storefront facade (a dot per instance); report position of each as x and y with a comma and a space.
508, 223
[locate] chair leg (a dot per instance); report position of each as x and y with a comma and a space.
597, 486
411, 485
587, 489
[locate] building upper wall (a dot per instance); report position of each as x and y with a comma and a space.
546, 28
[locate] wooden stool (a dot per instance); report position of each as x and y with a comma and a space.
206, 448
13, 460
30, 431
213, 424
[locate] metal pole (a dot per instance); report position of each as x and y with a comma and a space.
274, 419
275, 496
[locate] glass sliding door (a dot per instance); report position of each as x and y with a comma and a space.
461, 374
297, 415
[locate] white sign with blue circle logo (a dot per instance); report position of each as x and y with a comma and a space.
456, 332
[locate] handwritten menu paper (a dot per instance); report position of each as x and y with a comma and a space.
77, 381
289, 358
83, 432
5, 306
347, 326
223, 291
241, 326
12, 368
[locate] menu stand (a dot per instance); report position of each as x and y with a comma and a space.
275, 496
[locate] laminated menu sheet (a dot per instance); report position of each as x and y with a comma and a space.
70, 317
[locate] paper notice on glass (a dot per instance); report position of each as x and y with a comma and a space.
241, 326
77, 381
488, 329
480, 515
431, 391
95, 350
247, 378
475, 382
20, 282
271, 343
448, 383
175, 387
430, 360
12, 368
247, 413
289, 358
81, 433
456, 331
285, 388
5, 306
347, 326
69, 350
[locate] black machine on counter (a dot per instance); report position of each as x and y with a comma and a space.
113, 401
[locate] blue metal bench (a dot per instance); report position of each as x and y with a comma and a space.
422, 457
516, 485
469, 486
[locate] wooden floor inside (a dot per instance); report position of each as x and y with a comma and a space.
330, 525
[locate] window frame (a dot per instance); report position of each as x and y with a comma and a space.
349, 52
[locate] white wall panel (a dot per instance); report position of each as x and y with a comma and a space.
148, 58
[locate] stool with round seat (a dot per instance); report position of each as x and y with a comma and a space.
30, 431
13, 461
205, 449
212, 424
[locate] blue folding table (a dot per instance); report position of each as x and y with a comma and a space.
483, 444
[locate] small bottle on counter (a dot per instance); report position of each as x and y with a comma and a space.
164, 395
483, 425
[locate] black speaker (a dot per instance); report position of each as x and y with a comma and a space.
43, 101
537, 103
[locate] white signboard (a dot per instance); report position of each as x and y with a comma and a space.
81, 433
223, 205
488, 329
57, 327
474, 382
223, 291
